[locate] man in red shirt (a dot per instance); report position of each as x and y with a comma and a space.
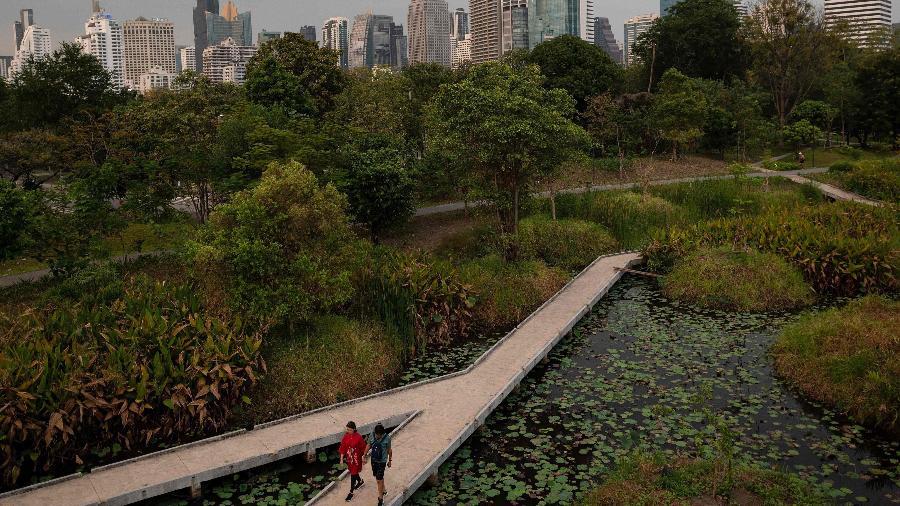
352, 449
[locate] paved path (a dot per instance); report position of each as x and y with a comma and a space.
829, 190
459, 206
33, 276
445, 412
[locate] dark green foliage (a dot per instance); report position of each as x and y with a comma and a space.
874, 179
737, 281
841, 248
576, 66
295, 74
379, 190
781, 165
879, 106
680, 110
701, 38
153, 366
568, 244
15, 215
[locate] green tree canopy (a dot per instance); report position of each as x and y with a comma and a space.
679, 110
576, 66
502, 125
879, 80
281, 251
379, 189
700, 38
295, 74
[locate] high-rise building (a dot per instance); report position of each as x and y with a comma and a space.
605, 39
485, 25
335, 36
462, 52
359, 44
155, 79
26, 19
870, 20
5, 64
309, 32
459, 24
265, 36
227, 61
149, 43
551, 18
513, 25
429, 32
586, 20
35, 43
634, 27
104, 39
188, 59
201, 35
399, 47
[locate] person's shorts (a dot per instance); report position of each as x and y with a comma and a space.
378, 470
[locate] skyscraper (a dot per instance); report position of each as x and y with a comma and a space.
265, 36
586, 20
189, 59
201, 37
429, 32
35, 43
5, 64
360, 45
459, 24
148, 44
485, 25
399, 47
513, 25
227, 61
551, 18
376, 41
230, 24
605, 39
104, 39
462, 52
309, 32
870, 20
634, 27
336, 37
26, 19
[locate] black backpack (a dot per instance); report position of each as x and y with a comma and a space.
377, 449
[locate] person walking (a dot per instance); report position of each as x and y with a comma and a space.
382, 456
353, 450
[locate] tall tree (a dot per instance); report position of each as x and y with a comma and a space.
679, 110
788, 42
503, 125
700, 38
576, 66
295, 74
879, 78
379, 189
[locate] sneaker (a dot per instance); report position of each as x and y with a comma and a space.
381, 501
349, 497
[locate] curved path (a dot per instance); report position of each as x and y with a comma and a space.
438, 416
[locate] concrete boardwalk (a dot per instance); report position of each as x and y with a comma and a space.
443, 412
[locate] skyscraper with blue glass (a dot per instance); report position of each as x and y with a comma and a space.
551, 18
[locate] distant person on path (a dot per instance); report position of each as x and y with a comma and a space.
353, 449
382, 455
801, 158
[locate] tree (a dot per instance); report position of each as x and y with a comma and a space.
16, 212
423, 81
801, 133
817, 113
879, 79
576, 66
788, 42
59, 86
377, 103
504, 126
34, 156
281, 251
700, 38
679, 110
295, 74
379, 190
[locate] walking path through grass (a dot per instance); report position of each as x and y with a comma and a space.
450, 409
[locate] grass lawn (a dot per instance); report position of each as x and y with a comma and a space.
641, 169
20, 265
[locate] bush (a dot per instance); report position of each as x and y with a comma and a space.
280, 252
339, 359
876, 179
840, 248
507, 292
842, 167
83, 380
705, 200
642, 480
379, 190
15, 214
848, 357
567, 244
738, 281
781, 165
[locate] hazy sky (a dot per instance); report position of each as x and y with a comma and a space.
65, 18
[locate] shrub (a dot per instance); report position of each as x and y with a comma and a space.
150, 367
739, 281
781, 165
876, 179
841, 167
15, 214
704, 200
848, 357
280, 252
567, 244
840, 248
339, 359
99, 284
506, 292
379, 190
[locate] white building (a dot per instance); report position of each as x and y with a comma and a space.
335, 36
634, 27
586, 20
149, 43
103, 38
188, 59
227, 62
36, 42
155, 78
462, 51
428, 23
868, 19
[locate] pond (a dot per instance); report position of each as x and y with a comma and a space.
638, 373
